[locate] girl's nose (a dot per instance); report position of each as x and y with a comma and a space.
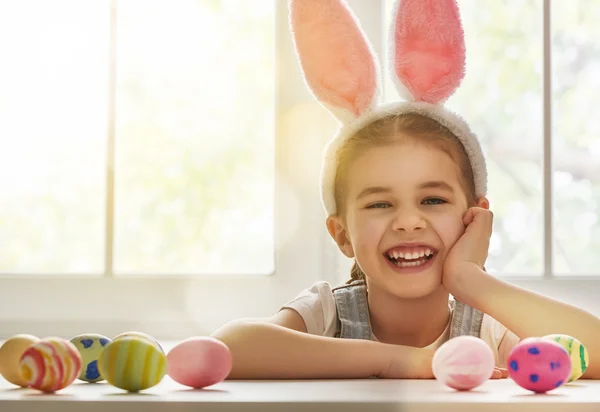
408, 221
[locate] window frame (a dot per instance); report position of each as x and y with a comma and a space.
155, 303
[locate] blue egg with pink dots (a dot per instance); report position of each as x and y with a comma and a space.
539, 365
90, 346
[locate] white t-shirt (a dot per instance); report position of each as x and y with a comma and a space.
316, 305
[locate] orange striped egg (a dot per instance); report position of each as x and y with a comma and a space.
50, 364
132, 363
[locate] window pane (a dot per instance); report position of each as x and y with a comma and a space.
53, 101
195, 137
576, 136
501, 99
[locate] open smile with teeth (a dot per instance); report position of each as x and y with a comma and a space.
410, 257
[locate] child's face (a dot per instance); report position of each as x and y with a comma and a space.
399, 194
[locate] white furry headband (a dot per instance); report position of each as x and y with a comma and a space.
341, 69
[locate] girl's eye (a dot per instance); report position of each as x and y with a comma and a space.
379, 205
434, 201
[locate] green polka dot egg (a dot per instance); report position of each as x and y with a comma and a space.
132, 363
580, 359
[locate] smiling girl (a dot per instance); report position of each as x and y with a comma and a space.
404, 188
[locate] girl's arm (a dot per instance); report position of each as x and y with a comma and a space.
525, 313
279, 348
529, 314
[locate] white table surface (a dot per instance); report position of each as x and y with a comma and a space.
290, 396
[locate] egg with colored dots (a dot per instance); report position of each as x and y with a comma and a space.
50, 365
539, 365
580, 359
90, 346
463, 362
132, 363
10, 357
199, 362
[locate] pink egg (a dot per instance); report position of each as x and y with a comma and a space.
463, 362
199, 362
539, 365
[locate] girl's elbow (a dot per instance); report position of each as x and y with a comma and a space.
229, 331
592, 374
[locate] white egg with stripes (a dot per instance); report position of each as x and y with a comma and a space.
50, 365
463, 363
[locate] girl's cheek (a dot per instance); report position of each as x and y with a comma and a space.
449, 228
367, 231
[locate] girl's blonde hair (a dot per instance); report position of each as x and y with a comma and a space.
389, 130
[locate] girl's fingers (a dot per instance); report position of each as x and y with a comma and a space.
499, 373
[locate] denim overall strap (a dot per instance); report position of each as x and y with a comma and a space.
353, 314
466, 320
353, 311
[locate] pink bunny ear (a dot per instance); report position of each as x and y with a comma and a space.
428, 49
338, 64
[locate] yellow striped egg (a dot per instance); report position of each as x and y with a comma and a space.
50, 364
132, 363
580, 359
90, 346
141, 335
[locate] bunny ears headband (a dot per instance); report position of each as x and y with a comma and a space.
342, 71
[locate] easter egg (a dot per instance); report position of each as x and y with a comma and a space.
132, 363
463, 362
539, 365
580, 358
10, 357
141, 335
51, 364
199, 362
90, 345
